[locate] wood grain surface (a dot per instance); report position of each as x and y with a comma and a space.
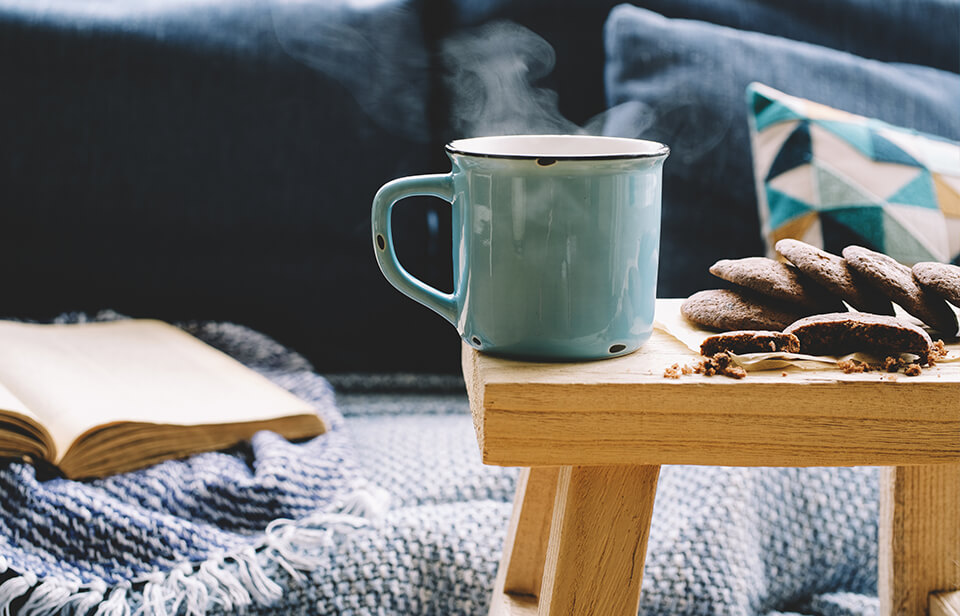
945, 604
612, 422
623, 411
919, 537
598, 540
528, 536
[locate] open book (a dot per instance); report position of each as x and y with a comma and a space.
100, 398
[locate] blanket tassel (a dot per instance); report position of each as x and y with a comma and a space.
233, 581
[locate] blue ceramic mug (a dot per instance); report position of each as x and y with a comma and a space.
555, 243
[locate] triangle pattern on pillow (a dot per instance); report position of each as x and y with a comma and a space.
766, 150
833, 178
835, 190
766, 110
798, 183
918, 192
861, 225
948, 199
878, 179
901, 233
856, 135
796, 151
805, 227
886, 151
784, 208
775, 113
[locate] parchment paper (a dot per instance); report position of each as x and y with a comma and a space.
691, 335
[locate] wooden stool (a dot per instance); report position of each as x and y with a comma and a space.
592, 437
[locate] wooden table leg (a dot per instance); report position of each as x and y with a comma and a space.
598, 540
525, 546
945, 604
919, 538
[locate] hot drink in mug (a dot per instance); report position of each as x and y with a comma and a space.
555, 243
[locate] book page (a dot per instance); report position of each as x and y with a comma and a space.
77, 377
11, 403
21, 432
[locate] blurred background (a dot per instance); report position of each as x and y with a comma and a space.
216, 159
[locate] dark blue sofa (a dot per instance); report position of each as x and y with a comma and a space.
216, 160
195, 159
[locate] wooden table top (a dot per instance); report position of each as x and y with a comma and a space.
624, 411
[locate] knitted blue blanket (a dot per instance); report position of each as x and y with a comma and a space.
391, 513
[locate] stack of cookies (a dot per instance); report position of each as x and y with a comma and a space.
808, 296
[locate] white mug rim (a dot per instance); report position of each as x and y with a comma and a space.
557, 147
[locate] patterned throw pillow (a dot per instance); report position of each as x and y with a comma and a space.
832, 178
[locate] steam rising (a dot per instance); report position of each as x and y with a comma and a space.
491, 75
367, 52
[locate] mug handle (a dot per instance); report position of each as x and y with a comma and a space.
435, 185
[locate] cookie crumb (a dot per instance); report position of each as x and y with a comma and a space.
719, 363
673, 372
892, 364
852, 366
783, 374
686, 369
913, 370
937, 352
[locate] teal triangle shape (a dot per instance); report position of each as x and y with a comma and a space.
756, 100
835, 191
783, 207
857, 135
865, 220
901, 244
918, 192
795, 151
886, 151
774, 113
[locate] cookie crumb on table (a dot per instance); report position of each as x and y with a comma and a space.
890, 364
852, 366
719, 363
937, 352
913, 370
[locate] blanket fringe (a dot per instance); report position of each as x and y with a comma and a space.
48, 597
232, 581
83, 601
13, 589
116, 604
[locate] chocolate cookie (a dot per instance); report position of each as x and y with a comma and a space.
895, 280
777, 280
942, 279
750, 341
725, 310
831, 272
846, 332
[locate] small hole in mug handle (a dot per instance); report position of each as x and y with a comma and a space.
381, 243
616, 348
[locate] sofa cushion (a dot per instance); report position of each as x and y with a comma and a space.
218, 160
682, 82
833, 179
914, 31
